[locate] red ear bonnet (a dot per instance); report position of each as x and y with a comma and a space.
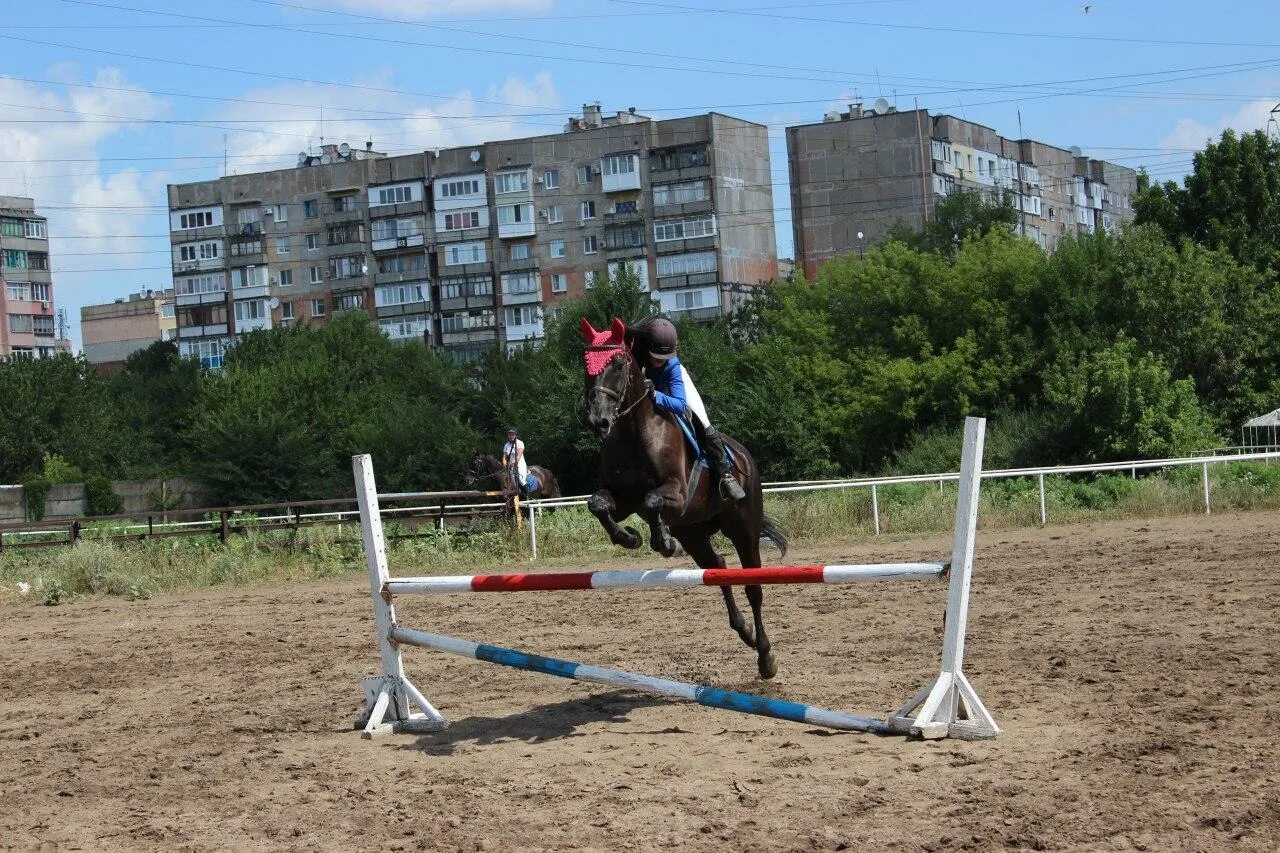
602, 346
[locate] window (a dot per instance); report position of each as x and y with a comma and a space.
280, 212
248, 277
557, 248
465, 219
286, 310
400, 294
516, 284
688, 301
551, 179
201, 284
209, 314
456, 288
348, 301
584, 175
241, 248
19, 291
10, 227
37, 230
22, 353
453, 189
466, 321
210, 353
198, 251
555, 213
465, 253
403, 263
405, 327
286, 278
317, 275
619, 164
166, 310
16, 259
682, 229
395, 195
392, 229
520, 315
347, 232
196, 219
559, 282
39, 292
282, 245
518, 252
511, 182
251, 309
38, 260
42, 326
685, 157
313, 241
344, 203
690, 264
590, 244
20, 323
514, 214
587, 210
310, 209
347, 266
623, 238
248, 216
682, 193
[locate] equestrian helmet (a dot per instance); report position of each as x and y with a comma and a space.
662, 336
511, 431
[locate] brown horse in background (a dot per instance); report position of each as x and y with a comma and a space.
486, 468
645, 469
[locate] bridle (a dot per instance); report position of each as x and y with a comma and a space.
474, 475
618, 398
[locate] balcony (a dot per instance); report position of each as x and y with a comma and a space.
688, 244
624, 213
465, 302
463, 235
515, 229
192, 235
201, 298
392, 243
469, 336
199, 265
676, 282
698, 315
520, 265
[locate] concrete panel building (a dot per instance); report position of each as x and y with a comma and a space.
112, 332
468, 247
862, 171
28, 312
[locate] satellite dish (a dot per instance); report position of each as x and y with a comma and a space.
1075, 151
273, 303
302, 158
326, 158
475, 156
880, 107
345, 150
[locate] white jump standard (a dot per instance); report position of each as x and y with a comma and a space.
946, 707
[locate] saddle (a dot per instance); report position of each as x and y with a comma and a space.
691, 430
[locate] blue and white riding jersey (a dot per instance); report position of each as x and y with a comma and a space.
674, 392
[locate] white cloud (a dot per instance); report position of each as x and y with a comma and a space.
422, 9
396, 123
58, 162
1193, 134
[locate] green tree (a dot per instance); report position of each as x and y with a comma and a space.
156, 394
956, 218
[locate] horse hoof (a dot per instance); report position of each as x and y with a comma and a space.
633, 539
768, 666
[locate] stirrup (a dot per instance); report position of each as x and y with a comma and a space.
731, 489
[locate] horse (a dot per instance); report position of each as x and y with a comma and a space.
486, 466
645, 468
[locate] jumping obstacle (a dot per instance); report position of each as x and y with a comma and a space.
948, 706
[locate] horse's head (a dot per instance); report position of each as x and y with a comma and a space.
610, 370
475, 469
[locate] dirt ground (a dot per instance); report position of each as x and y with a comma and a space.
1133, 667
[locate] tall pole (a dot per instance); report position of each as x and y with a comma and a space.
924, 171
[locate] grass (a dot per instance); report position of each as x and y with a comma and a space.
56, 574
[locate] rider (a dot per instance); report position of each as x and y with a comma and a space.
513, 462
673, 392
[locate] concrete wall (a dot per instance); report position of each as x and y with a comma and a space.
138, 497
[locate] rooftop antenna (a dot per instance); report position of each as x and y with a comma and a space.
224, 155
879, 88
322, 127
1273, 125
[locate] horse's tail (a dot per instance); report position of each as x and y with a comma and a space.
771, 531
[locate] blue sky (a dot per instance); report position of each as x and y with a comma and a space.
104, 102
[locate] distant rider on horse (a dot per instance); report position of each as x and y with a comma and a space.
674, 393
514, 463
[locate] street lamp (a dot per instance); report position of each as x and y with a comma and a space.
862, 246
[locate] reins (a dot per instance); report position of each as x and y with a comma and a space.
619, 398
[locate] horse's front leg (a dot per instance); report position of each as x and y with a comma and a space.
603, 507
660, 538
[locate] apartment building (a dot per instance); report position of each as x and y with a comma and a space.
467, 248
113, 331
28, 328
857, 173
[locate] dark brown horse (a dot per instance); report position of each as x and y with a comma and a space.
485, 469
645, 469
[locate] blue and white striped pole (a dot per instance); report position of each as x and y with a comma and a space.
746, 703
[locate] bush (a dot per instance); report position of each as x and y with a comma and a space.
100, 497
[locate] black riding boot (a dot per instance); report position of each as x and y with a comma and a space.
730, 488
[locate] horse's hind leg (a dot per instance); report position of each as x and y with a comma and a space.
698, 545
